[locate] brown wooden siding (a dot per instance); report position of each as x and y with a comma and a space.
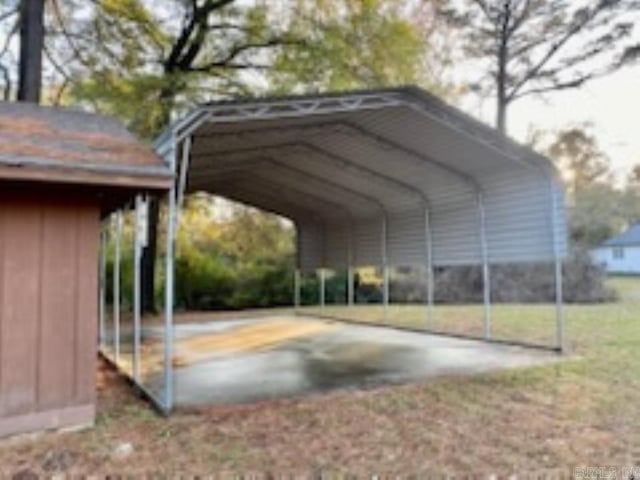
48, 302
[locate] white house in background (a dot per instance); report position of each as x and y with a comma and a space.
620, 254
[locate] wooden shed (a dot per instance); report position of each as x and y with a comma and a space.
60, 172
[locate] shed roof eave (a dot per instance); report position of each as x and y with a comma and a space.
142, 181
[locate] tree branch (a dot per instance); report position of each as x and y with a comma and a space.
517, 22
197, 19
58, 68
231, 66
631, 54
8, 13
6, 91
228, 60
524, 48
65, 32
566, 85
7, 41
227, 26
555, 47
482, 4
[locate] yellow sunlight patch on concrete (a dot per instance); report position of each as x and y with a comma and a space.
246, 338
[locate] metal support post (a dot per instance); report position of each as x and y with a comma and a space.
430, 275
322, 290
102, 306
350, 275
182, 177
169, 286
385, 291
116, 286
560, 344
385, 269
350, 286
296, 290
486, 279
558, 276
139, 241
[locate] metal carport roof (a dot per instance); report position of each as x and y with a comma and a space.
390, 176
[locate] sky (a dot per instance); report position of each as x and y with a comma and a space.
611, 104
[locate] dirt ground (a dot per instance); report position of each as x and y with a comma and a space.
457, 426
544, 421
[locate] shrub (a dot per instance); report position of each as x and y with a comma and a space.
583, 282
203, 282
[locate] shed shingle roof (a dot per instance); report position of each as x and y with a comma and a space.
61, 145
630, 237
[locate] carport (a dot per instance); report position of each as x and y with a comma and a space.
377, 177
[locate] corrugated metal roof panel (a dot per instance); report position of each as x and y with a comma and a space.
357, 159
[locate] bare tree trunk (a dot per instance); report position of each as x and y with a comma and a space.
501, 84
503, 58
501, 115
31, 44
148, 259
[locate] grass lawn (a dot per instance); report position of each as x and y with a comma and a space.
545, 420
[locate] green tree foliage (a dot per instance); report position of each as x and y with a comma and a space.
596, 213
145, 61
261, 247
630, 202
244, 259
602, 211
531, 47
634, 177
597, 209
350, 44
578, 156
228, 256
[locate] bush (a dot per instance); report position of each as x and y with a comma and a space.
263, 285
584, 282
513, 283
203, 282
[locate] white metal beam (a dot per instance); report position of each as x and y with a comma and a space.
116, 285
385, 267
184, 172
140, 224
486, 279
429, 265
169, 285
296, 290
558, 276
322, 288
350, 266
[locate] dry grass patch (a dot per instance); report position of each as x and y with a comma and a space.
542, 420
